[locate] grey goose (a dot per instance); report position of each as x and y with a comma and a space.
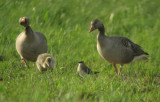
116, 49
29, 44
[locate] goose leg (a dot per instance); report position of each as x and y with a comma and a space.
115, 68
120, 69
24, 61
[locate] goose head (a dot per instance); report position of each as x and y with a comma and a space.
95, 24
24, 21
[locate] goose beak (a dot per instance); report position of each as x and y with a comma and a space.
92, 28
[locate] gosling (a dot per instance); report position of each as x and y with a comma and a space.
45, 61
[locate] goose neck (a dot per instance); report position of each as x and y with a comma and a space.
101, 30
28, 30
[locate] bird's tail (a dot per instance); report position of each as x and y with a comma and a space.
146, 53
146, 58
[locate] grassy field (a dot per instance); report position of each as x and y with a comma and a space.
66, 25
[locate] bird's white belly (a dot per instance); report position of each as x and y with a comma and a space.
81, 72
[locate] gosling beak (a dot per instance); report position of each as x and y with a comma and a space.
47, 65
92, 28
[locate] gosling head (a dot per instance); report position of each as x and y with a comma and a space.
47, 63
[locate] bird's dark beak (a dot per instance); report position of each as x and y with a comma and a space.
92, 28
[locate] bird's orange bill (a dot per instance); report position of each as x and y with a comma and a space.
92, 28
23, 20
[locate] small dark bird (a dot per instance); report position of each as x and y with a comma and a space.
83, 70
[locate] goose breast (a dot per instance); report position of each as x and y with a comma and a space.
32, 47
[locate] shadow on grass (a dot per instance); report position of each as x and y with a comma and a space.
2, 58
86, 95
1, 79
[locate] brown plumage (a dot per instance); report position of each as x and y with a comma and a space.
116, 49
30, 44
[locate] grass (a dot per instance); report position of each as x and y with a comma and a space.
66, 23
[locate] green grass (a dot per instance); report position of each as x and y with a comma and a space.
66, 25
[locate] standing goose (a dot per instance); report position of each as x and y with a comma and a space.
116, 49
30, 44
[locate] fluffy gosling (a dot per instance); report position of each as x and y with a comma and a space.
45, 61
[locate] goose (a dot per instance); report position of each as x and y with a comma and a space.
29, 44
45, 61
116, 49
83, 70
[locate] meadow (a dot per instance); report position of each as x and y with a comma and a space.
66, 23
